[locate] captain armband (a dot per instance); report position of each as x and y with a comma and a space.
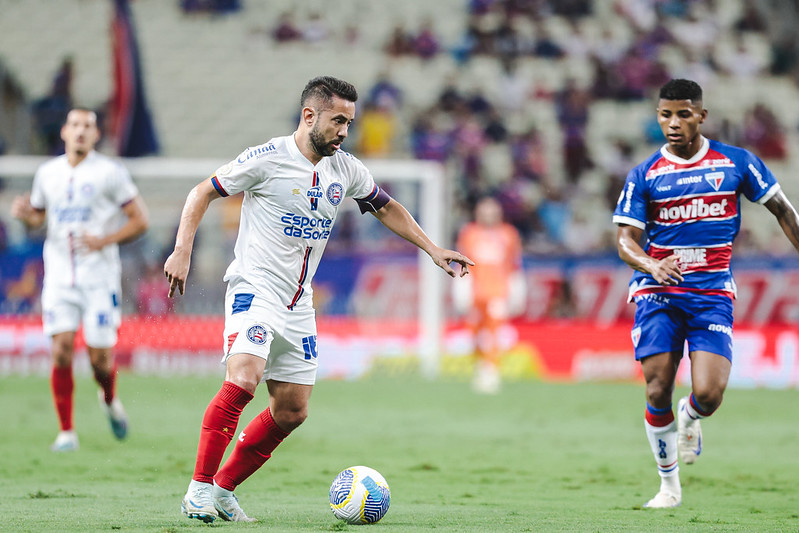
374, 201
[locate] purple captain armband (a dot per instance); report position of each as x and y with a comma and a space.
374, 201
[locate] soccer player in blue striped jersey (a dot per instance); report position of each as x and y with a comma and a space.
293, 188
685, 198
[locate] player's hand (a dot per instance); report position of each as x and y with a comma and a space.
666, 271
90, 243
176, 270
21, 207
443, 257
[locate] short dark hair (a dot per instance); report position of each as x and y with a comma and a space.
324, 87
680, 89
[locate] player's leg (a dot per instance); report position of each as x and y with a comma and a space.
62, 384
709, 375
243, 373
290, 374
486, 330
710, 341
101, 320
660, 372
658, 336
60, 321
288, 408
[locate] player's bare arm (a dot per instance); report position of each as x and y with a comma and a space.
786, 215
138, 220
176, 268
22, 209
395, 217
666, 271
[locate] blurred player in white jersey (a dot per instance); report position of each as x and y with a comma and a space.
293, 187
686, 198
90, 205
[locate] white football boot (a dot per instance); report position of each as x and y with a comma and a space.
116, 415
227, 506
663, 500
65, 441
199, 502
689, 434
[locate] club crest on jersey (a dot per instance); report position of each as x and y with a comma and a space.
715, 179
87, 190
257, 334
314, 193
636, 335
335, 193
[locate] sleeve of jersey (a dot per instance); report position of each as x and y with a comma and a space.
631, 206
369, 196
234, 177
123, 190
759, 184
37, 193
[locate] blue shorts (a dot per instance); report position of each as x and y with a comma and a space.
664, 322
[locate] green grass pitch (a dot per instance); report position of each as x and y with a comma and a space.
537, 457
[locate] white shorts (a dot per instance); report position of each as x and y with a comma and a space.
65, 308
285, 339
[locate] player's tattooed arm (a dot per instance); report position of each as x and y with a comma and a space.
786, 215
666, 271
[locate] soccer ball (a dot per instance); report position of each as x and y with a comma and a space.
359, 495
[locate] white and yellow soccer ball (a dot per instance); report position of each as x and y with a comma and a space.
359, 495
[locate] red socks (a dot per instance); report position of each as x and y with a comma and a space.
63, 385
219, 426
107, 382
254, 447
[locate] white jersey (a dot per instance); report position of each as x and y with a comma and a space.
82, 200
287, 215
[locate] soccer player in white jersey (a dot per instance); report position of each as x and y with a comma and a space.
293, 188
686, 198
90, 205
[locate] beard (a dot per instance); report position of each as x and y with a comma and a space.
320, 145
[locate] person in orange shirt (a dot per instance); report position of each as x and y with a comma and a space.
496, 289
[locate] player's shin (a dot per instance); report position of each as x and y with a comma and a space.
63, 386
254, 447
661, 430
219, 426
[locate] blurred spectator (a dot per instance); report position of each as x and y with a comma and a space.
400, 42
513, 88
529, 156
286, 30
385, 92
572, 106
764, 134
545, 46
430, 140
425, 44
752, 18
555, 215
377, 129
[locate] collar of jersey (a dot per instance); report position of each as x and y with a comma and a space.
679, 160
294, 150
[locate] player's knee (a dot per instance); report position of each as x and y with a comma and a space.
659, 392
62, 353
708, 398
290, 419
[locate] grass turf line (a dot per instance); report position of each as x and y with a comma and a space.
537, 457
